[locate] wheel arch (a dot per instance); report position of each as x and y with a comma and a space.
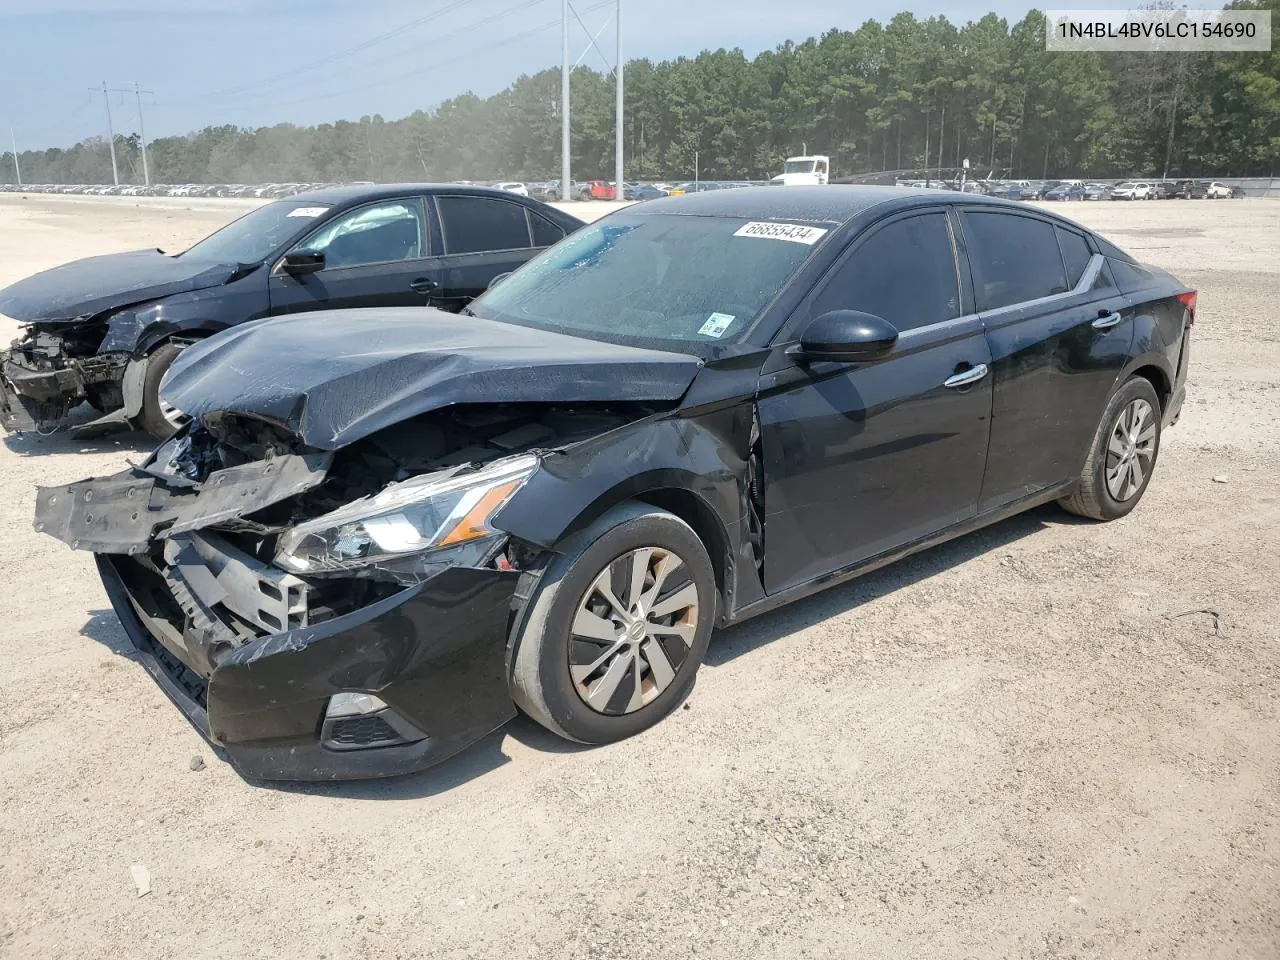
1155, 369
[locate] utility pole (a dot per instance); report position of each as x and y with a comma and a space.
17, 172
565, 184
619, 192
111, 136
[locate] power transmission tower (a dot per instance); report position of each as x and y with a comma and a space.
142, 133
111, 136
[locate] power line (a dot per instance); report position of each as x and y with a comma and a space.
435, 64
137, 91
324, 61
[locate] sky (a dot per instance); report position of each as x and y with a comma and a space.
252, 64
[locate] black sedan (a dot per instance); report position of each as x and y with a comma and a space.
384, 530
106, 329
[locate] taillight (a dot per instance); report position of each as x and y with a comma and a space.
1188, 300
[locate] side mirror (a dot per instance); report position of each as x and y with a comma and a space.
847, 336
497, 280
302, 261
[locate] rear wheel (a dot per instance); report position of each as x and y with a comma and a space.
1123, 455
157, 418
612, 636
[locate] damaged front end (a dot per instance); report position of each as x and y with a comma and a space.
324, 615
53, 368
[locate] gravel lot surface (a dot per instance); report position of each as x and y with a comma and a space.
1006, 747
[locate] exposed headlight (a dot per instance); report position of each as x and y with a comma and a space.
424, 515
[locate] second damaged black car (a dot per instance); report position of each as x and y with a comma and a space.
385, 530
107, 329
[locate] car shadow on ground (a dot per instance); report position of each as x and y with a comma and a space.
734, 641
487, 754
78, 440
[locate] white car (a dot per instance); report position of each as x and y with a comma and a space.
1130, 190
1217, 191
513, 187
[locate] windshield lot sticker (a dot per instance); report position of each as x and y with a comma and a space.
716, 325
782, 231
307, 211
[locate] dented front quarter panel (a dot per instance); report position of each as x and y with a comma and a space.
700, 450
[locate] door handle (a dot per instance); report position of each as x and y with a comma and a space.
423, 285
1106, 321
966, 377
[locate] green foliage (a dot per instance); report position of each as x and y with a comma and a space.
907, 94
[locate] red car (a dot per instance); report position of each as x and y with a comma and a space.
603, 190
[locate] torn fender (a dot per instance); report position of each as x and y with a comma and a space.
124, 513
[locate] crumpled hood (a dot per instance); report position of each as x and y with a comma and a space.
336, 376
83, 288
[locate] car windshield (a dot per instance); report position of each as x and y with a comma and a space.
1124, 186
655, 279
798, 166
258, 234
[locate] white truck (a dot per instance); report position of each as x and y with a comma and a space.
803, 172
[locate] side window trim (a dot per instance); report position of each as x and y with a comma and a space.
789, 330
444, 230
409, 201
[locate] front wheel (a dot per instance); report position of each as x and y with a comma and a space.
157, 418
1123, 454
612, 636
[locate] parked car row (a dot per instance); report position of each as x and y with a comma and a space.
378, 532
1068, 190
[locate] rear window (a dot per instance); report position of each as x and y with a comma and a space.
1075, 254
1014, 259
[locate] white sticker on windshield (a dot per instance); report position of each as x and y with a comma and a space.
794, 232
716, 325
307, 211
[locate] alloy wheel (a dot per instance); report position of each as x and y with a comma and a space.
632, 630
1131, 450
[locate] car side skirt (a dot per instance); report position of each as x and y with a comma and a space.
844, 574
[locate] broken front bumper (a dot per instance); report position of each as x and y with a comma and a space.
434, 652
39, 397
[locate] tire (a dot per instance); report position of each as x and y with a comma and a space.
151, 417
631, 691
1107, 490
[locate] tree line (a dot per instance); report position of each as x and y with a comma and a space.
910, 93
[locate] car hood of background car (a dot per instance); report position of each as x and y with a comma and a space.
84, 288
334, 377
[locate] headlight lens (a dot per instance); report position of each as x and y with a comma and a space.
422, 515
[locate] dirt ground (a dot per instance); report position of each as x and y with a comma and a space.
1016, 745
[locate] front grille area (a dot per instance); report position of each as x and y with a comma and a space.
367, 731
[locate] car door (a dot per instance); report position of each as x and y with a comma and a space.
1059, 332
483, 237
860, 458
376, 255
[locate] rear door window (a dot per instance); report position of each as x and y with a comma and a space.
1014, 258
1075, 254
481, 224
904, 272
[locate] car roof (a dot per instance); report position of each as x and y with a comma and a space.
836, 203
378, 191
